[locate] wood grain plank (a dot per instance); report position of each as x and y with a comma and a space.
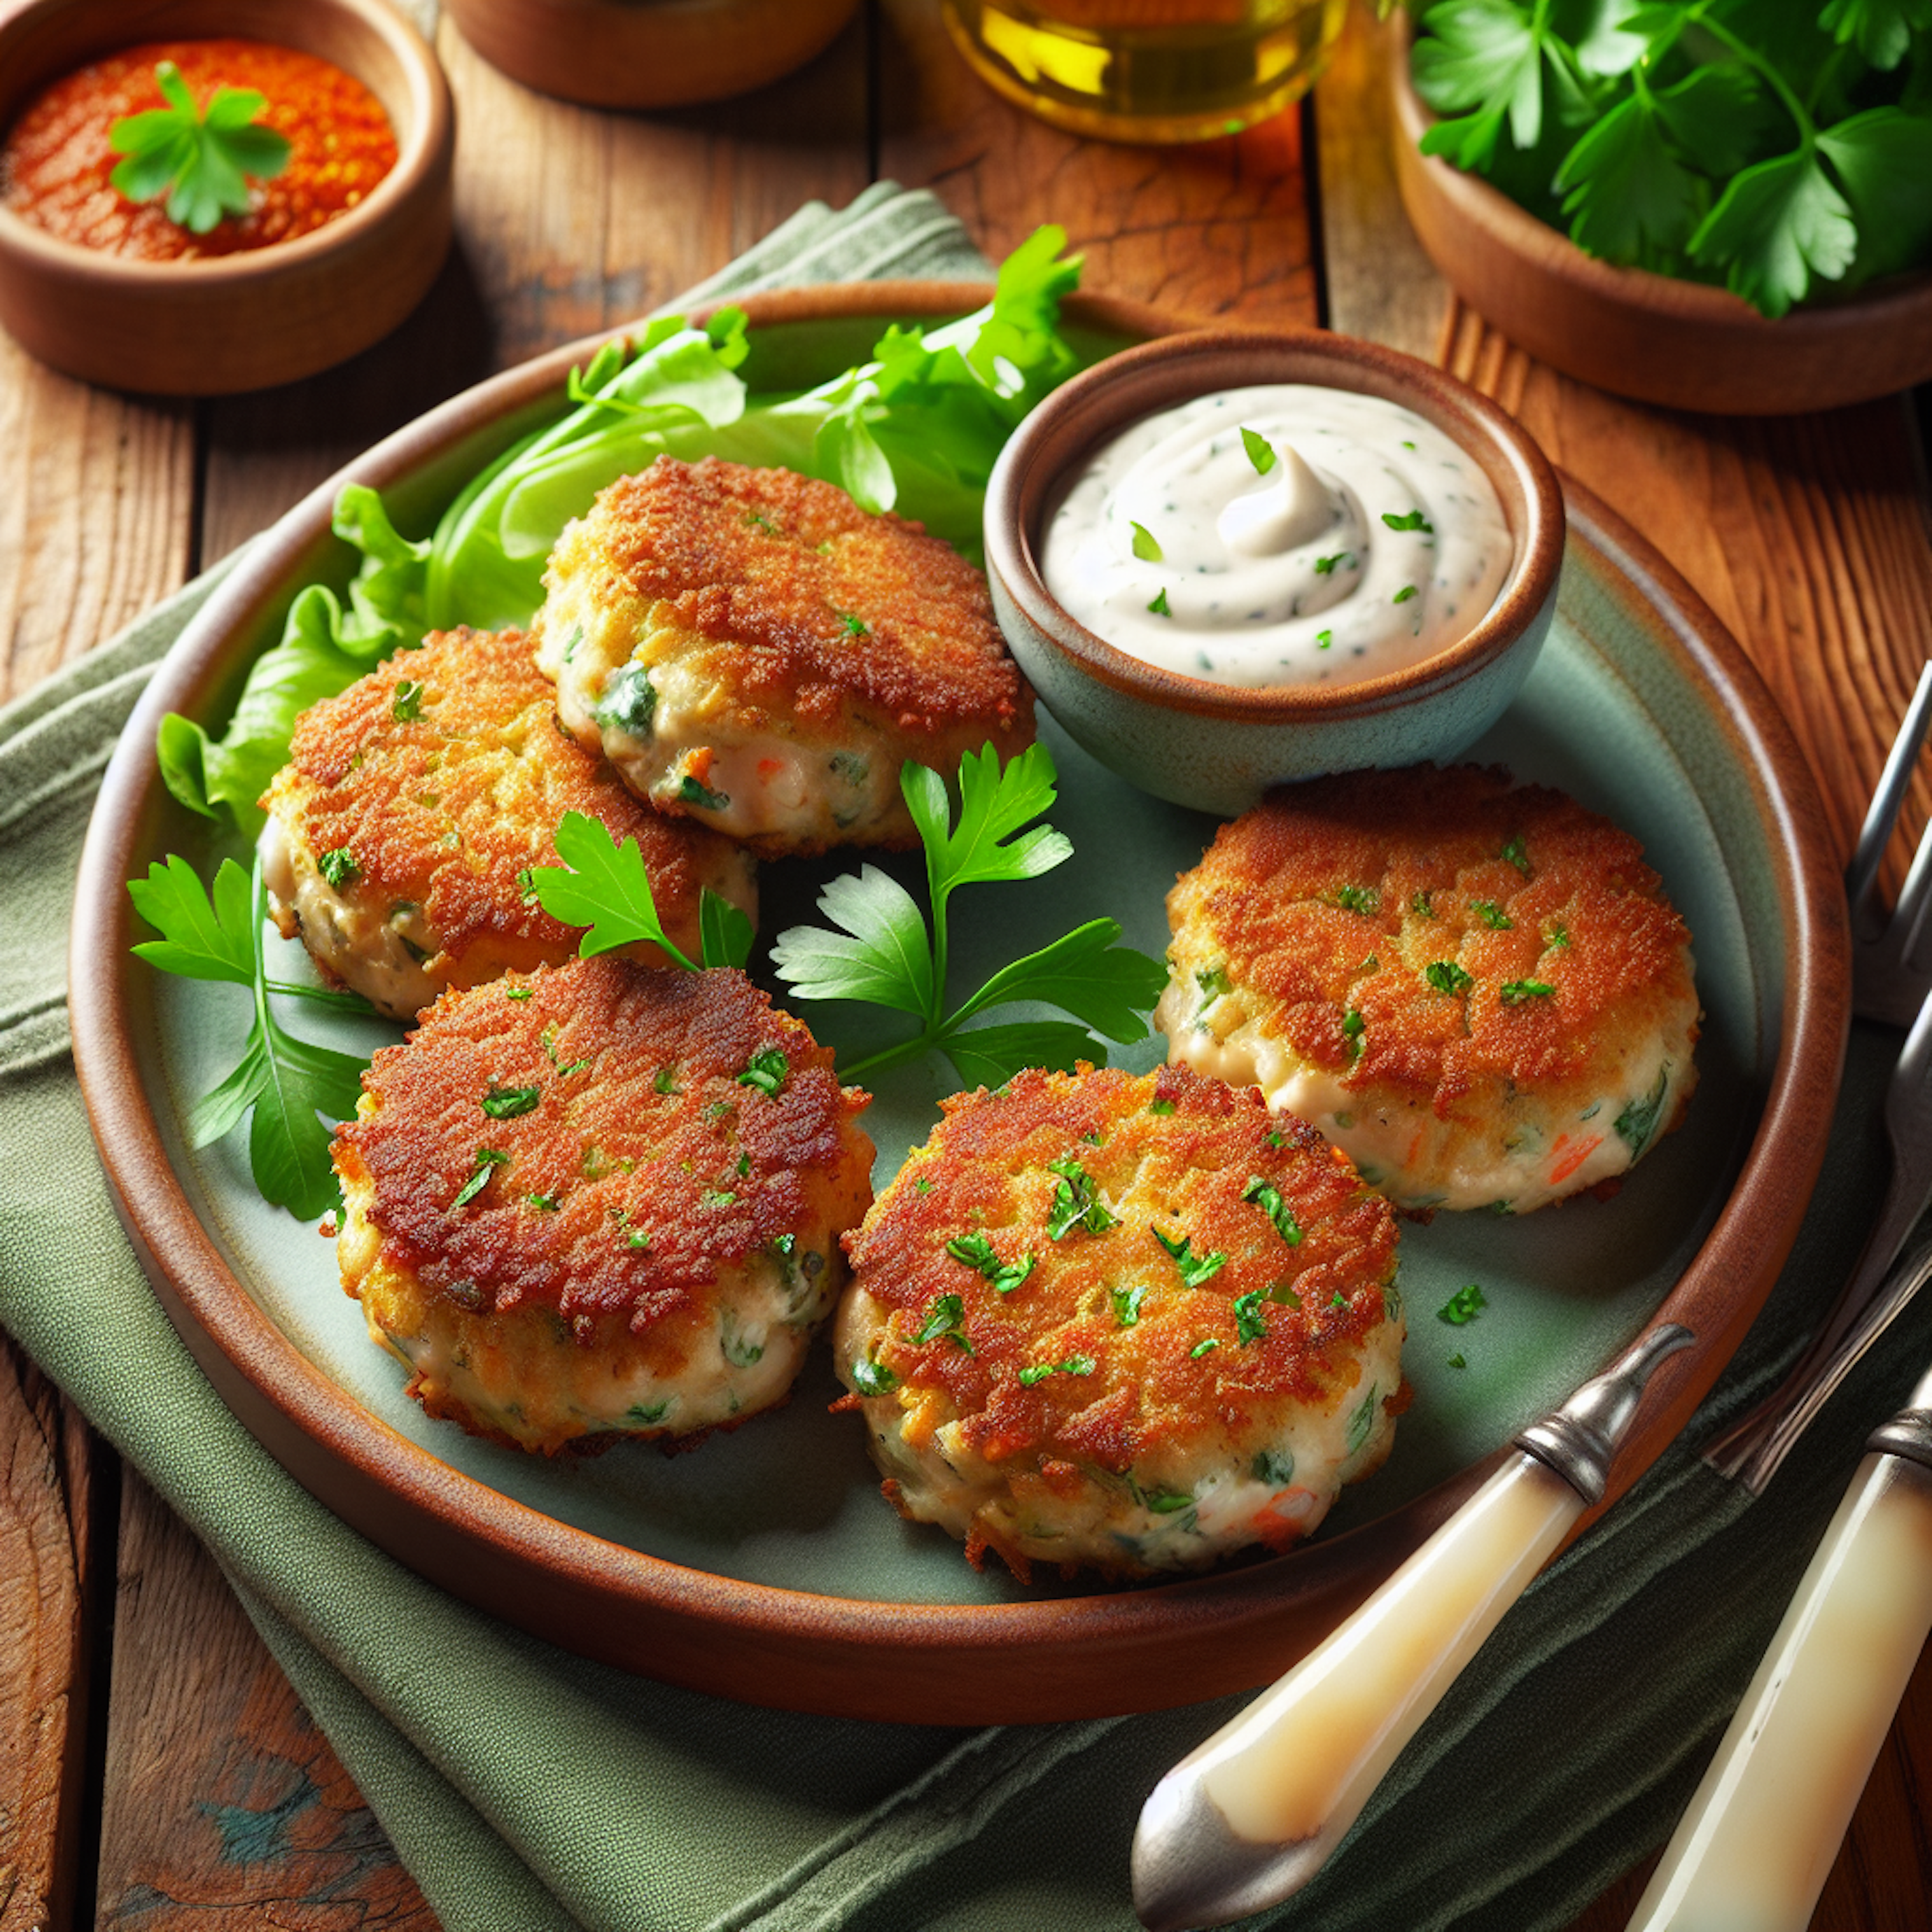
1807, 534
1379, 283
1219, 229
1879, 1883
264, 451
225, 1807
47, 1592
96, 517
573, 221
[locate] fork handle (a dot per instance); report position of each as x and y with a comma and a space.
1753, 1851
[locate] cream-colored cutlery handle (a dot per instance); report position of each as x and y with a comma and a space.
1753, 1851
1255, 1812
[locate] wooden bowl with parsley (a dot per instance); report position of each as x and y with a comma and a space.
218, 254
1726, 211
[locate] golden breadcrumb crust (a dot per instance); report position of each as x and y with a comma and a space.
809, 604
1170, 1150
637, 1165
1334, 899
450, 809
750, 648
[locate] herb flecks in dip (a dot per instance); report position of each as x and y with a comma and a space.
1283, 534
56, 166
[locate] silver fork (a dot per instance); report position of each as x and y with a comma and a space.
1891, 981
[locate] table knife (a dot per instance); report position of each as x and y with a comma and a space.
1252, 1814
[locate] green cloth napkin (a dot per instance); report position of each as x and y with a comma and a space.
529, 1790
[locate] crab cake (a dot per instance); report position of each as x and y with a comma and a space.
1133, 1323
752, 649
601, 1199
402, 832
1480, 992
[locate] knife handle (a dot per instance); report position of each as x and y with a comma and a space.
1254, 1813
1753, 1851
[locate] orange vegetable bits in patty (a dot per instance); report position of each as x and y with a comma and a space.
1134, 1324
404, 830
751, 649
602, 1200
1479, 990
56, 161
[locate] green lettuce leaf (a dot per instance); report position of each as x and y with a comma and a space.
323, 649
917, 430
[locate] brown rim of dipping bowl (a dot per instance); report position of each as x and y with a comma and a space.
619, 53
265, 316
1098, 404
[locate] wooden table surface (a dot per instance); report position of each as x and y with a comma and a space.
156, 1768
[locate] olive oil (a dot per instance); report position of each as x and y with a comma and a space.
1153, 71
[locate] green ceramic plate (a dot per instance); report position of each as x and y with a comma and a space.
778, 1529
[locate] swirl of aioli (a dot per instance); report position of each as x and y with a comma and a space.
1283, 534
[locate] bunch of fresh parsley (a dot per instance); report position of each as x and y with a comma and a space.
1770, 145
200, 161
884, 954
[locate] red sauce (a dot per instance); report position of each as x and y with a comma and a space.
54, 168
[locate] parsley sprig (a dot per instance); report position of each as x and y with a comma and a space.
603, 885
883, 953
1771, 147
201, 161
288, 1082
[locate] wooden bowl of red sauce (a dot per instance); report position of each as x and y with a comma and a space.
331, 252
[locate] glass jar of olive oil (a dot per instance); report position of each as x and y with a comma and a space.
1148, 69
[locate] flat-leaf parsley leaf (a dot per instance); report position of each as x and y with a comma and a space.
287, 1082
1195, 1269
884, 954
1773, 149
200, 161
603, 885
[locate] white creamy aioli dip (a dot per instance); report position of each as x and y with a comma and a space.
1369, 541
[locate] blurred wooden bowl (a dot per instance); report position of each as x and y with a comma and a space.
265, 316
648, 53
1684, 344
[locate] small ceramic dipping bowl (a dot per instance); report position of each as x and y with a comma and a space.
260, 316
1214, 746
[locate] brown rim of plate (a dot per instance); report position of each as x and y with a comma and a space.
1101, 401
422, 147
1140, 1649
